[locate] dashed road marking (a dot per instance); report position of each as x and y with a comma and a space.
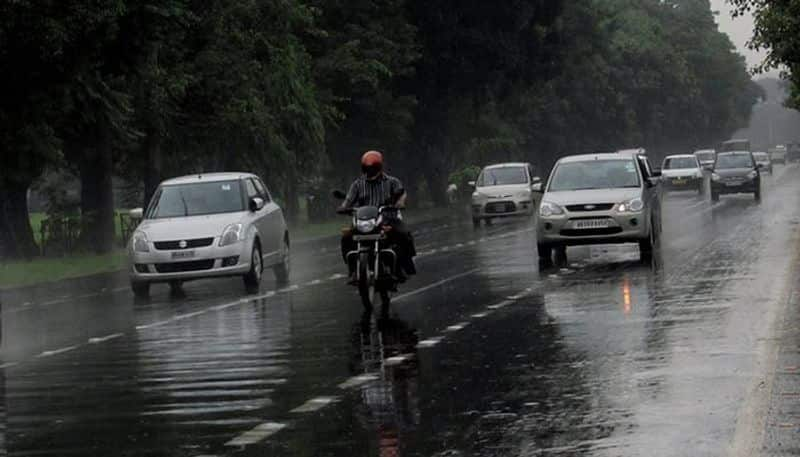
456, 327
314, 404
257, 434
356, 381
481, 315
430, 342
8, 365
397, 360
502, 304
101, 339
58, 351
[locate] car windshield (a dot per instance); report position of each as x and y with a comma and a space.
196, 199
733, 161
705, 156
594, 174
678, 163
502, 176
761, 157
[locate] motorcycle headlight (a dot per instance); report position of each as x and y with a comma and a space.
631, 206
366, 225
232, 234
752, 175
139, 241
547, 209
715, 177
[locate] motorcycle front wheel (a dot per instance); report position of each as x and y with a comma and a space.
366, 286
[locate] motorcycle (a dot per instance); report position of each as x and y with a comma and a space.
375, 259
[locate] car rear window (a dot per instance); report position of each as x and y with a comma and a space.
196, 199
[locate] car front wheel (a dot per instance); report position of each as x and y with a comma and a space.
283, 268
252, 280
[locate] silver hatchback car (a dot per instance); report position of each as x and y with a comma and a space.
200, 226
599, 199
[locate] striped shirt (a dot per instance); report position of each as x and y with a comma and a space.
381, 191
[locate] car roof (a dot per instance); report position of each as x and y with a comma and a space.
735, 140
680, 156
599, 156
636, 151
506, 165
207, 177
705, 151
760, 153
733, 153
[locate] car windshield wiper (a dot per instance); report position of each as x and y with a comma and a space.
185, 206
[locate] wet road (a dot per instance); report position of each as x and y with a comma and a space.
483, 354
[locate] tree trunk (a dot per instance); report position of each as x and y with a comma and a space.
154, 166
97, 196
291, 208
16, 234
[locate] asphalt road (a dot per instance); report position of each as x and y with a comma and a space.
484, 355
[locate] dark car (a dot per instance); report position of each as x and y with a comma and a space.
735, 172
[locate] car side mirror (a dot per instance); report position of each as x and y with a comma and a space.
537, 187
136, 213
655, 173
256, 203
537, 179
471, 183
338, 194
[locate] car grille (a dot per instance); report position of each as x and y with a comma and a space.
177, 267
590, 207
590, 232
501, 207
175, 245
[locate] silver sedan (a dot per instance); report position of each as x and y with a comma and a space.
213, 225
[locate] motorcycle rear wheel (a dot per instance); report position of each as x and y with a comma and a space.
366, 286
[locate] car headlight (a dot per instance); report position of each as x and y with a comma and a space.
232, 234
547, 209
139, 241
524, 194
631, 206
752, 175
366, 225
715, 177
478, 196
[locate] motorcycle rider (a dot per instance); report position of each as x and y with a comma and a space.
376, 188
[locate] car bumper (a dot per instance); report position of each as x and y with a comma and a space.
678, 184
623, 228
503, 208
746, 187
207, 262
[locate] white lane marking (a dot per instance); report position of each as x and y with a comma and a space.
480, 315
456, 327
53, 302
120, 289
8, 365
336, 276
397, 360
502, 304
314, 404
315, 282
181, 317
259, 433
228, 305
472, 243
58, 351
460, 245
435, 285
153, 325
101, 339
430, 342
356, 381
288, 289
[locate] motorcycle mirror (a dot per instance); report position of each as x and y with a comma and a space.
338, 194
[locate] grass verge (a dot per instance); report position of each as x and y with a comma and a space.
25, 273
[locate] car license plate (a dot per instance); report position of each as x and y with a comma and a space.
591, 224
498, 209
182, 254
733, 183
679, 182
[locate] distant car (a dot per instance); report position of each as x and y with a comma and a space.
706, 158
503, 190
599, 199
735, 172
763, 161
682, 172
211, 225
778, 154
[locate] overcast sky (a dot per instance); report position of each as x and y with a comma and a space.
740, 30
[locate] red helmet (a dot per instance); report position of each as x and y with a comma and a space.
372, 163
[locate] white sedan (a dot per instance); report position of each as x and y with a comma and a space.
212, 225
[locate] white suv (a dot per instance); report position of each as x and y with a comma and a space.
200, 226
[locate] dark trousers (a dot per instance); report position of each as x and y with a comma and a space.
401, 240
